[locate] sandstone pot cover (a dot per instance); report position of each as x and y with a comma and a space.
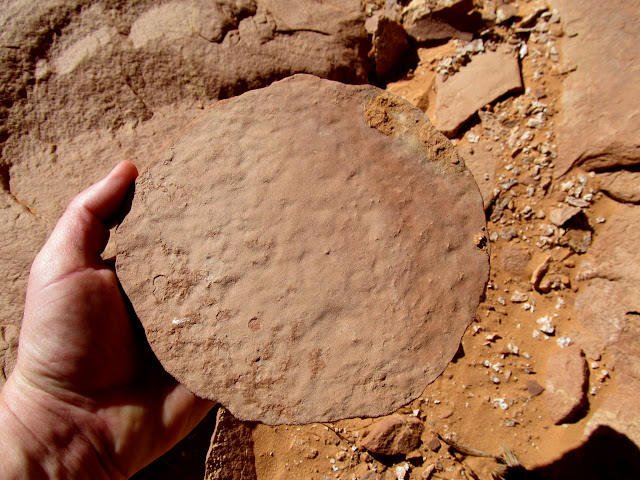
306, 252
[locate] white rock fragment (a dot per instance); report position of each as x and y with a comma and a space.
500, 403
472, 138
519, 297
563, 342
402, 470
545, 324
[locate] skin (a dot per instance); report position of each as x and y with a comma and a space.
87, 398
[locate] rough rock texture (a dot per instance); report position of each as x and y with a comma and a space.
85, 73
485, 78
87, 83
560, 216
608, 306
601, 98
566, 384
389, 45
482, 164
288, 254
22, 236
515, 260
437, 20
621, 185
394, 435
230, 455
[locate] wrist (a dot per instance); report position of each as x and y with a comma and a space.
43, 437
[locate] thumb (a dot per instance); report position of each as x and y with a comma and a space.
82, 232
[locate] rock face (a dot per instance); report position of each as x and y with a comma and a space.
566, 384
22, 236
87, 74
608, 306
288, 256
437, 20
230, 455
621, 185
598, 127
87, 83
484, 79
394, 435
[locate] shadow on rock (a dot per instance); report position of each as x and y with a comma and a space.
607, 454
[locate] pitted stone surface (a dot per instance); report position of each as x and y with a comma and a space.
306, 252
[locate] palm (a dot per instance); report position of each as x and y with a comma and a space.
88, 340
82, 354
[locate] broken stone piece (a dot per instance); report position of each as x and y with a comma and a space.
534, 388
426, 20
566, 384
560, 216
482, 163
394, 435
288, 257
230, 455
515, 260
621, 185
487, 77
389, 46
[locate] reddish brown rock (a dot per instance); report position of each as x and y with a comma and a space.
534, 388
621, 185
560, 216
394, 435
99, 71
487, 77
389, 46
601, 96
566, 384
22, 236
288, 256
230, 456
482, 163
436, 20
514, 260
607, 307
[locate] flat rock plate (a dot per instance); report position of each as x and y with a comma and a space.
306, 252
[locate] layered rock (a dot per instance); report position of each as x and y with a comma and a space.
600, 106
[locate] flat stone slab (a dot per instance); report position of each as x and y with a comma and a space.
566, 384
482, 164
230, 455
306, 252
487, 77
600, 106
608, 306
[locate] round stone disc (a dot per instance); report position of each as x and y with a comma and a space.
306, 252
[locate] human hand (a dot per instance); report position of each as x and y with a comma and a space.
87, 398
